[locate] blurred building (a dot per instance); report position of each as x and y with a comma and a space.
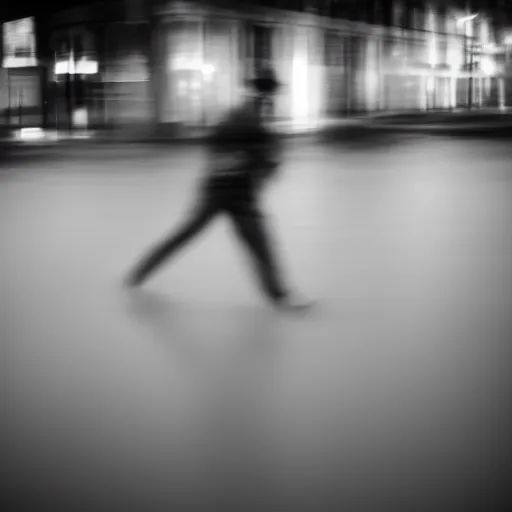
98, 63
20, 74
182, 63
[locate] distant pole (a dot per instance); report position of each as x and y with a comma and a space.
9, 97
466, 59
20, 107
470, 84
468, 54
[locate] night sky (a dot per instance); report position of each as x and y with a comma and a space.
13, 10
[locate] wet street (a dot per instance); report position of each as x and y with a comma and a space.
195, 395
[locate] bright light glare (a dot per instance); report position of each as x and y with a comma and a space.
465, 19
19, 62
30, 133
508, 39
61, 68
86, 67
183, 63
488, 66
208, 69
455, 58
82, 67
300, 100
193, 64
80, 118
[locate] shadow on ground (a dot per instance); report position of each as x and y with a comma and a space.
365, 137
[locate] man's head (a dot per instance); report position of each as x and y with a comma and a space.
263, 87
265, 83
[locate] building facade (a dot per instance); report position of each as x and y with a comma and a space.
412, 59
183, 63
20, 74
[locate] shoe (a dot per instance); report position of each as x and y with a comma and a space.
295, 302
134, 280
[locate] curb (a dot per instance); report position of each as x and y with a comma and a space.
442, 128
344, 126
158, 139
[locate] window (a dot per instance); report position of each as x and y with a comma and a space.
19, 43
262, 43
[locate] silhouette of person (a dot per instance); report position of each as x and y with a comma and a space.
244, 155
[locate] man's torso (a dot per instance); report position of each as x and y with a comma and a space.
242, 150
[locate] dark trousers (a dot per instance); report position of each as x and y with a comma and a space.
241, 205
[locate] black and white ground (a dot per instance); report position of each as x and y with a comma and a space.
193, 394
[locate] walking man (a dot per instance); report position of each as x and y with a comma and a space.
244, 155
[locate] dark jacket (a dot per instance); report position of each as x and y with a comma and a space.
243, 149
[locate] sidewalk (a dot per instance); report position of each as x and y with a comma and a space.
439, 122
43, 137
457, 121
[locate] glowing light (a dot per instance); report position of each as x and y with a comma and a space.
184, 63
508, 39
86, 67
61, 68
208, 69
30, 133
455, 57
82, 67
300, 100
193, 64
80, 118
488, 66
465, 19
19, 62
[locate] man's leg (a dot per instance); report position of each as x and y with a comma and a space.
199, 218
250, 226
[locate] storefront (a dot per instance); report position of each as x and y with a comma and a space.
185, 64
197, 70
98, 69
205, 57
20, 75
74, 72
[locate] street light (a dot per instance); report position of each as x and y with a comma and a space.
488, 66
463, 21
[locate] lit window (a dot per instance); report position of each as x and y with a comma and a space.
82, 67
